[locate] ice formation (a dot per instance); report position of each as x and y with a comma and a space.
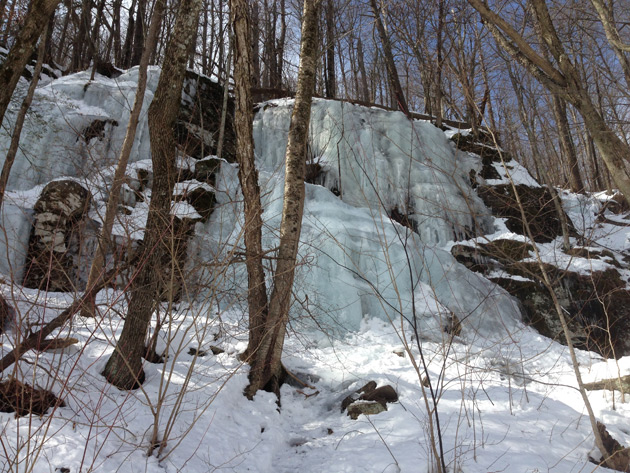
354, 260
383, 161
359, 262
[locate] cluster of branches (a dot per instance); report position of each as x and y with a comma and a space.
440, 57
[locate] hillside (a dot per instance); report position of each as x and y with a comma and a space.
415, 271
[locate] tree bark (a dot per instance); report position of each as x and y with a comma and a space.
365, 91
82, 37
392, 72
620, 48
138, 34
124, 367
566, 144
37, 16
255, 41
224, 105
266, 366
98, 262
564, 81
330, 50
440, 64
247, 173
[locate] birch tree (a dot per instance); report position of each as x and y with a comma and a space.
268, 319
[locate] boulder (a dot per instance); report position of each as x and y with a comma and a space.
53, 259
369, 400
382, 395
365, 407
206, 169
203, 200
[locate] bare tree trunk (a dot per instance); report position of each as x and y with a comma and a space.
117, 60
255, 44
138, 34
280, 44
9, 21
247, 173
566, 143
48, 41
204, 40
62, 41
563, 80
96, 268
266, 367
127, 49
226, 94
19, 122
440, 64
37, 16
124, 367
606, 16
392, 72
330, 50
365, 91
82, 38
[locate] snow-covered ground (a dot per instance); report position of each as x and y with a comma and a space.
512, 406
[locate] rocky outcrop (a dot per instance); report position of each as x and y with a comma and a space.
595, 302
199, 119
53, 258
538, 206
597, 305
484, 147
369, 400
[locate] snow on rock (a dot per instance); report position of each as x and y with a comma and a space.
76, 127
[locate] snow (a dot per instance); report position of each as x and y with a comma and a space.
514, 172
367, 290
52, 144
509, 407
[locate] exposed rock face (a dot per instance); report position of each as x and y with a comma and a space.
597, 306
538, 206
56, 238
485, 148
199, 118
5, 314
206, 169
96, 129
